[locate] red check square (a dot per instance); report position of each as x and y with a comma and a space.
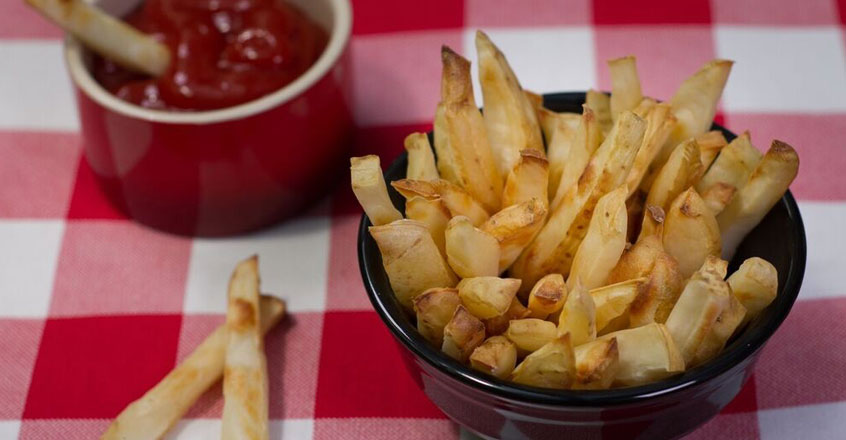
362, 373
20, 21
510, 13
63, 429
94, 367
19, 347
374, 16
774, 12
745, 401
735, 426
88, 200
652, 12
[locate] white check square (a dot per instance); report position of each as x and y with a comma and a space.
819, 422
28, 259
201, 429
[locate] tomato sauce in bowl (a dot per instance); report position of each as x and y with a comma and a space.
224, 53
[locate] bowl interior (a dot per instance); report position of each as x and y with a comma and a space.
779, 239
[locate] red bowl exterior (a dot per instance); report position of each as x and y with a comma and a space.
226, 177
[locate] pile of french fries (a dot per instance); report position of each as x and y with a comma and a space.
234, 351
576, 251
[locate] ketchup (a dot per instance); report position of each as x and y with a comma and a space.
224, 52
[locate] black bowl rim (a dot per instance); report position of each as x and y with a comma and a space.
749, 342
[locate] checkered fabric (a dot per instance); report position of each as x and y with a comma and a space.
95, 309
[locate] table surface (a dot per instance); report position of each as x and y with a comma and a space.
95, 309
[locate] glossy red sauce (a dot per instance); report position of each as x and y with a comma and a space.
225, 52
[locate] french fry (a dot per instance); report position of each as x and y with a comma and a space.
722, 330
496, 356
718, 196
547, 296
498, 324
578, 316
703, 299
530, 334
487, 297
596, 364
510, 119
733, 166
754, 200
433, 213
710, 144
469, 161
552, 251
421, 161
625, 85
659, 124
471, 252
575, 149
527, 180
551, 122
152, 415
644, 107
600, 103
458, 201
691, 232
514, 228
681, 170
716, 265
695, 101
434, 308
551, 366
245, 388
755, 285
369, 187
646, 354
603, 244
462, 334
411, 259
612, 301
535, 102
108, 36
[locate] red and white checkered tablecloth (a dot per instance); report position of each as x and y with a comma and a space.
95, 309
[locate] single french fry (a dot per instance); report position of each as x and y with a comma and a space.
695, 101
496, 356
535, 102
421, 161
530, 334
600, 103
458, 201
551, 122
753, 201
681, 170
245, 388
369, 187
575, 149
551, 366
646, 354
604, 242
717, 197
578, 316
462, 334
433, 213
152, 415
659, 124
470, 251
722, 330
528, 179
547, 296
411, 259
733, 166
510, 119
710, 144
755, 284
625, 85
498, 324
514, 228
612, 301
487, 297
434, 308
644, 107
596, 364
108, 36
472, 162
691, 232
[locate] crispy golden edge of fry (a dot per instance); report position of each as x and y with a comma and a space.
498, 325
551, 366
456, 85
368, 185
659, 124
487, 297
600, 103
462, 334
679, 172
245, 387
596, 364
718, 196
733, 165
646, 354
625, 85
529, 179
755, 284
152, 415
710, 144
691, 233
547, 296
496, 356
614, 301
515, 227
421, 160
726, 325
433, 309
470, 252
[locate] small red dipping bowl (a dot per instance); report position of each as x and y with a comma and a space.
225, 171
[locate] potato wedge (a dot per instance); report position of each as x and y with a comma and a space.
753, 201
497, 325
710, 144
727, 323
471, 252
551, 366
681, 170
600, 103
152, 415
369, 187
659, 124
625, 85
612, 301
733, 166
717, 197
596, 364
487, 297
245, 386
530, 334
547, 296
496, 356
434, 214
421, 160
575, 149
411, 259
695, 101
578, 316
691, 232
510, 120
646, 354
458, 201
603, 244
462, 334
514, 228
527, 180
755, 284
434, 308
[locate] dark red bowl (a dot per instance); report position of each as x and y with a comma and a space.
668, 409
